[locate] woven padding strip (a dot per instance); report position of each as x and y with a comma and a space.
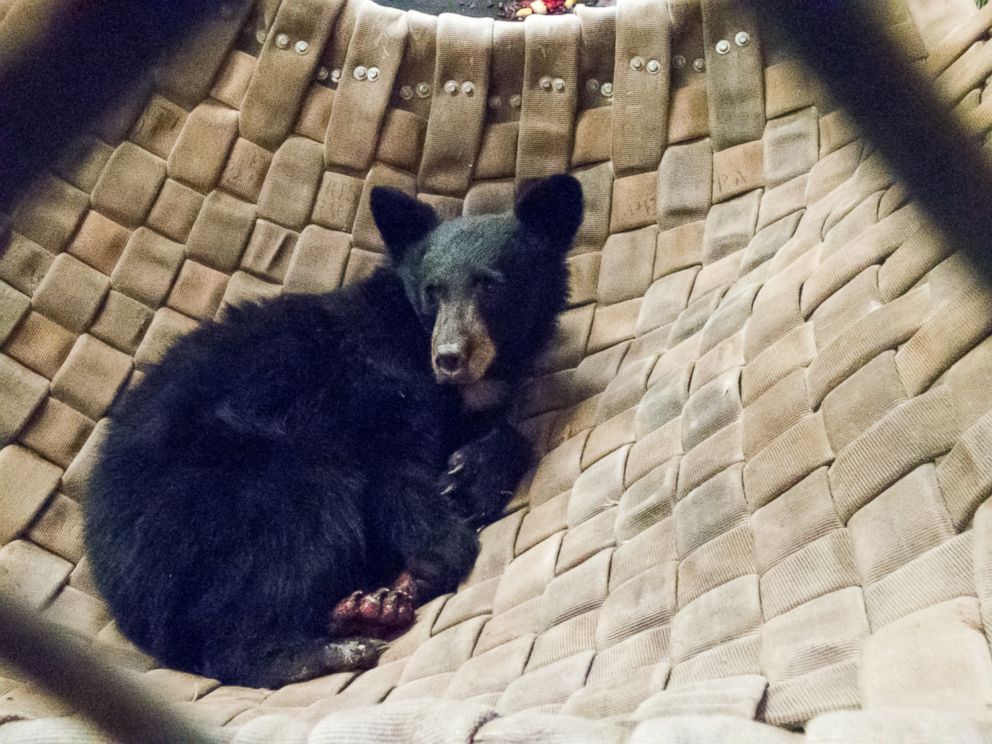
461, 90
734, 81
284, 68
353, 129
763, 427
187, 78
641, 77
550, 96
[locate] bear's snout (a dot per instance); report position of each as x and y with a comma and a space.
462, 349
450, 359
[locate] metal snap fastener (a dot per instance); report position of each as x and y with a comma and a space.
373, 74
559, 85
699, 64
360, 73
423, 90
592, 85
451, 87
606, 89
722, 46
678, 61
516, 101
323, 73
495, 102
468, 88
406, 92
743, 38
636, 63
545, 82
336, 74
653, 66
261, 36
302, 47
282, 41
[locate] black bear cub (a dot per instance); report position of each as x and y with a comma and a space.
287, 484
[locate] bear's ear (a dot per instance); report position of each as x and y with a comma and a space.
551, 208
401, 219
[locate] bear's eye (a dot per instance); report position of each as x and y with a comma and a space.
490, 283
431, 296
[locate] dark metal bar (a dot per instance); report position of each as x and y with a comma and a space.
62, 666
62, 77
73, 68
900, 112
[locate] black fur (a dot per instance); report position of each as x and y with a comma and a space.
296, 451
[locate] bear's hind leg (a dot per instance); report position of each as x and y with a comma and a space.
279, 663
321, 657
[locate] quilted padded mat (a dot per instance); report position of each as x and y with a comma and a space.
765, 423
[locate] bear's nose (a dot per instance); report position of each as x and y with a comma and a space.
449, 358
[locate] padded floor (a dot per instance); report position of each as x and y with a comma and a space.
765, 425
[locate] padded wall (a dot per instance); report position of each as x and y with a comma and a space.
764, 425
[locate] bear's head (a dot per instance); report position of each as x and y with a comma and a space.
487, 288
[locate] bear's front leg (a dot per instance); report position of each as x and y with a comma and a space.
482, 475
437, 560
438, 546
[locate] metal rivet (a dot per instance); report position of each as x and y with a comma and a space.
336, 74
406, 92
468, 88
260, 36
516, 101
302, 47
743, 38
653, 66
559, 85
282, 41
699, 64
545, 82
360, 73
322, 73
678, 61
722, 46
607, 90
451, 87
592, 85
495, 102
636, 63
423, 89
373, 74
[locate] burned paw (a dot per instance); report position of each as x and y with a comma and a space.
378, 614
456, 463
317, 657
354, 654
398, 609
454, 478
349, 607
476, 487
387, 607
370, 606
417, 588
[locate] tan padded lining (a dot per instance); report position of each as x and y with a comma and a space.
764, 425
